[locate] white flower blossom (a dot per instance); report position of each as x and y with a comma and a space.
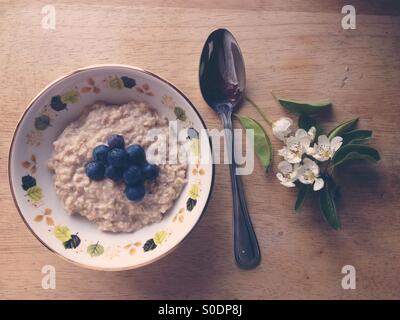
297, 145
308, 173
311, 133
288, 173
325, 149
281, 128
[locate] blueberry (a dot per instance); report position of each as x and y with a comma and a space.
135, 193
150, 171
100, 153
57, 104
95, 170
113, 173
136, 153
28, 182
116, 141
117, 157
128, 82
132, 175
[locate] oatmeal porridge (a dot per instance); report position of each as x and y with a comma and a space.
105, 202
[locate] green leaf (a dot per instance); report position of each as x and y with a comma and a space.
303, 190
62, 233
355, 152
262, 144
357, 156
149, 245
160, 236
35, 193
95, 250
262, 114
342, 128
302, 107
357, 136
70, 97
306, 122
327, 204
180, 113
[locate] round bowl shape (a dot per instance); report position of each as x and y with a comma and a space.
73, 237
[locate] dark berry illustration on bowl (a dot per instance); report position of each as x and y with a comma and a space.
42, 122
128, 82
33, 191
60, 102
28, 182
72, 243
158, 239
149, 245
194, 192
56, 103
69, 240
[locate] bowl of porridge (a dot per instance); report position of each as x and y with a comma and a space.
110, 167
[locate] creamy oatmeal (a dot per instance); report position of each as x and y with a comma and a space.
104, 202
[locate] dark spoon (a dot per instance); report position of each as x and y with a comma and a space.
222, 82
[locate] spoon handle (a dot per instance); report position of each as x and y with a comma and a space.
245, 244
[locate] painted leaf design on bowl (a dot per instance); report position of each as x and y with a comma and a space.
149, 245
128, 82
57, 104
42, 122
194, 193
62, 233
115, 83
73, 242
180, 114
157, 240
145, 89
70, 97
95, 250
69, 241
160, 236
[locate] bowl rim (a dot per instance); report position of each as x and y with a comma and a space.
29, 106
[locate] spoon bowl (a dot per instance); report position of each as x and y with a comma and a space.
222, 72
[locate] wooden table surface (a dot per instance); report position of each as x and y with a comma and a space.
297, 49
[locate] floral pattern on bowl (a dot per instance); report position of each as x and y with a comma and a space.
74, 238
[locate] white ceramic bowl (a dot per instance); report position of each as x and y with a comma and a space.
39, 205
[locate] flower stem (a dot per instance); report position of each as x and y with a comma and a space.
259, 111
329, 169
274, 96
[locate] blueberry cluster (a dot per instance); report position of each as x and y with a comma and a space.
114, 161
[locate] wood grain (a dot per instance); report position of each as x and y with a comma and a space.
295, 48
